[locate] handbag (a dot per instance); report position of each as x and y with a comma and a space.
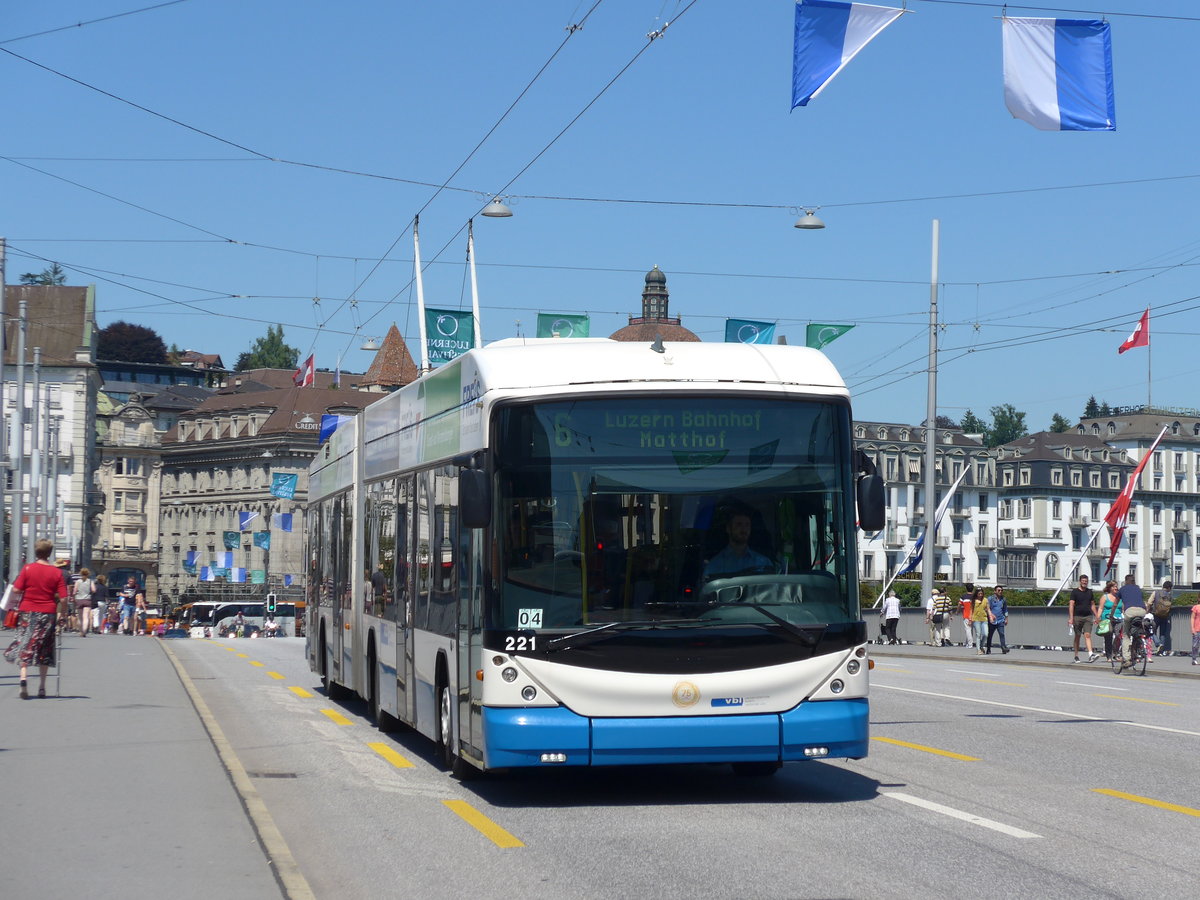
12, 619
1104, 627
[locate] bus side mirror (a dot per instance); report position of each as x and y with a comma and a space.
872, 504
474, 498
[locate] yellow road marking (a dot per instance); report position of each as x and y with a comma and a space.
1137, 700
230, 649
336, 717
243, 655
990, 681
925, 749
1186, 810
390, 755
255, 662
299, 691
277, 676
483, 824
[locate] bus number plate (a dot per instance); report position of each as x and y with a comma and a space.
529, 618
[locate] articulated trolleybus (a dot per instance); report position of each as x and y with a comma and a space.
584, 552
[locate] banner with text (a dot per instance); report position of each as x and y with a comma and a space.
449, 333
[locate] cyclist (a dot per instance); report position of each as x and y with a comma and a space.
1134, 609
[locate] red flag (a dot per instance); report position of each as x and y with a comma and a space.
1118, 515
1141, 334
306, 374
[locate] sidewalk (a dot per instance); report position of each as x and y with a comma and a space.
114, 789
1175, 666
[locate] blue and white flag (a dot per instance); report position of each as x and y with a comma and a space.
282, 521
828, 35
244, 520
1058, 73
329, 424
919, 547
224, 560
237, 575
287, 580
743, 331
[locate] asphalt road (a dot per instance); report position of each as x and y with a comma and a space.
1002, 777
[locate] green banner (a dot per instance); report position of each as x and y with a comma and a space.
562, 325
817, 336
449, 333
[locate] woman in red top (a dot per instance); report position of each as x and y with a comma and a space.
41, 588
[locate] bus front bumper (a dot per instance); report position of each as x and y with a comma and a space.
556, 736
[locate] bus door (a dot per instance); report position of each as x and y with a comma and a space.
404, 596
470, 638
342, 586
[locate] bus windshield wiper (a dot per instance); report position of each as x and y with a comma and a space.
802, 635
610, 629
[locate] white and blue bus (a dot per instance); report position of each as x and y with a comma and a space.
584, 552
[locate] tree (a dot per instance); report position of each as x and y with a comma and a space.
1059, 424
972, 424
269, 352
1091, 409
130, 343
52, 274
1105, 409
945, 422
1008, 424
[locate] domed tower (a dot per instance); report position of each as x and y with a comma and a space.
654, 320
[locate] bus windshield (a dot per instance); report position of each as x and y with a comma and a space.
673, 512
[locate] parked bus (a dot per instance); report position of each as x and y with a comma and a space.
214, 618
584, 552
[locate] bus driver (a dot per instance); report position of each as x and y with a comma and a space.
737, 558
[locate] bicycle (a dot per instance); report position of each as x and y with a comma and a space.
1137, 648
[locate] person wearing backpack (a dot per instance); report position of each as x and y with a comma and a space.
1160, 608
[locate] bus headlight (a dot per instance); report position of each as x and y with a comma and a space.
837, 685
509, 674
853, 666
528, 693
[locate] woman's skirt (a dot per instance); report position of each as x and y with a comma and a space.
35, 644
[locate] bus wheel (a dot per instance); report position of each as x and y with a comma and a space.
372, 688
333, 690
459, 767
756, 769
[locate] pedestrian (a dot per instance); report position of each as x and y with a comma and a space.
1081, 616
997, 618
937, 614
1108, 615
63, 564
1133, 608
1160, 607
139, 606
966, 603
42, 593
979, 617
1196, 633
99, 601
84, 589
129, 605
891, 617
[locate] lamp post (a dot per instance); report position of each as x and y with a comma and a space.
930, 560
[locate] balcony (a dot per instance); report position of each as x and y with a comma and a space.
1160, 554
1079, 521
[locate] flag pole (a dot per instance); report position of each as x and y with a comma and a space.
420, 295
1071, 571
930, 560
478, 342
1149, 350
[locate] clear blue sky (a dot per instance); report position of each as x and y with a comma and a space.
208, 244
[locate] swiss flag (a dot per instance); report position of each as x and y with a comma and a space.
1140, 336
306, 374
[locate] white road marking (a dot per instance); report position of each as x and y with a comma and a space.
1038, 709
970, 672
1095, 685
959, 814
